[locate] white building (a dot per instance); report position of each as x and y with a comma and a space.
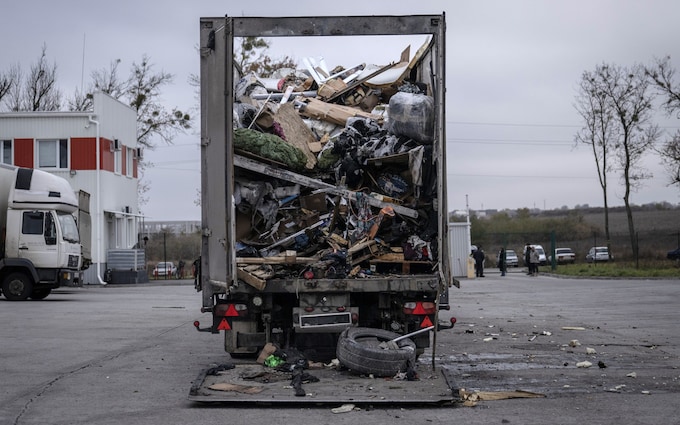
97, 152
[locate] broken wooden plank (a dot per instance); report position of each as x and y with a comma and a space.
337, 114
251, 279
357, 83
275, 260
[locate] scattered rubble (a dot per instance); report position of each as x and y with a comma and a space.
335, 173
471, 398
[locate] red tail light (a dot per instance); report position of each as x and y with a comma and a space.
231, 310
420, 308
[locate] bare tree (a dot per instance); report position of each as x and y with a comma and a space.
662, 74
143, 92
599, 132
41, 92
10, 88
104, 80
251, 55
631, 104
5, 84
13, 98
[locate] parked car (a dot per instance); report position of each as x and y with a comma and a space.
674, 255
542, 259
165, 268
511, 259
563, 256
598, 254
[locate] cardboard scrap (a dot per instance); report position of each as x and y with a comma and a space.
471, 398
245, 389
267, 351
296, 131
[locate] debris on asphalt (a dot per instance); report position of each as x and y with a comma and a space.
590, 350
471, 399
632, 375
584, 364
574, 343
573, 328
343, 409
617, 389
245, 389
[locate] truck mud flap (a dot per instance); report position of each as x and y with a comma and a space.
253, 383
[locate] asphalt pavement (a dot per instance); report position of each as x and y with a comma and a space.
129, 353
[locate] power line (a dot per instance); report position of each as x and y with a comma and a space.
511, 142
502, 124
504, 176
512, 124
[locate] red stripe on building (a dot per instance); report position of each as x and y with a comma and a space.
106, 154
23, 153
83, 153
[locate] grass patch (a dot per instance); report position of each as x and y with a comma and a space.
649, 268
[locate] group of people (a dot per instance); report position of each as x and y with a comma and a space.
531, 259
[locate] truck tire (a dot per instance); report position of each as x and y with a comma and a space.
40, 293
17, 286
359, 350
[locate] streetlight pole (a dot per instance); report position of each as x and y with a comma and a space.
165, 256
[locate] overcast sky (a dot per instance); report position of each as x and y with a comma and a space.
512, 72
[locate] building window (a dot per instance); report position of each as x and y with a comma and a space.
53, 153
6, 152
117, 160
129, 154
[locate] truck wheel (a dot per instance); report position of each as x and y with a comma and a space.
40, 294
17, 286
359, 349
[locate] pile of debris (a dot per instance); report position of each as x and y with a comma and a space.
334, 173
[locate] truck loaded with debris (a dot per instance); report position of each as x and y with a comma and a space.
324, 217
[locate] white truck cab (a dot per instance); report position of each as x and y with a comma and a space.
40, 246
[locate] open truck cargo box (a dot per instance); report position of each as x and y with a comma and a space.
323, 194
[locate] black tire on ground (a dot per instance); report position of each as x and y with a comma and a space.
40, 293
359, 350
17, 286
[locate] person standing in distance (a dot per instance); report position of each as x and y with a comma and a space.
527, 257
479, 262
501, 261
